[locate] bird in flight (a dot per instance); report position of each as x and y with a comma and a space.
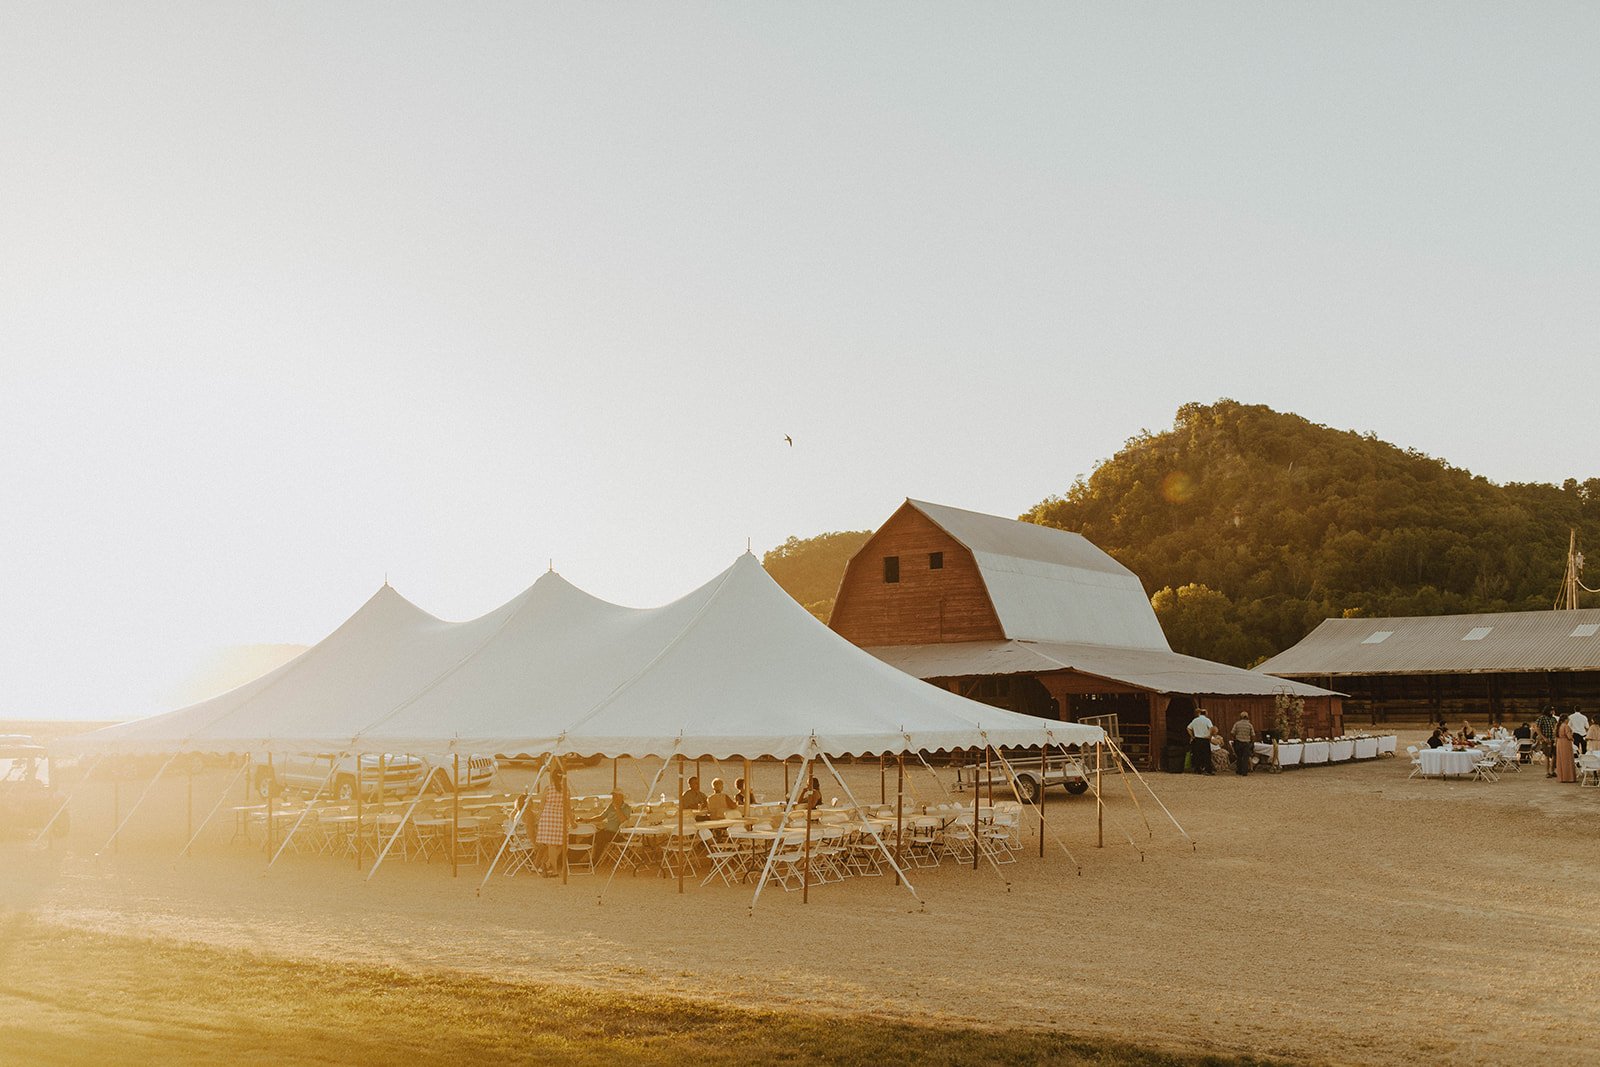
789, 439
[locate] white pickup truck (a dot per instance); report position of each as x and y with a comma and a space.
1034, 775
400, 775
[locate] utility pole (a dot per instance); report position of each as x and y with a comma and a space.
1568, 600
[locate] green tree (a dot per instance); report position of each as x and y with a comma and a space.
810, 568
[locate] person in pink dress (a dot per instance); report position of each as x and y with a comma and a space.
555, 819
1566, 767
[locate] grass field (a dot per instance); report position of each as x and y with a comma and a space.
69, 997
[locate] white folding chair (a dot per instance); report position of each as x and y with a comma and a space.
580, 849
519, 847
1416, 762
725, 859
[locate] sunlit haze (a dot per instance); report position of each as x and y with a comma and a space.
297, 298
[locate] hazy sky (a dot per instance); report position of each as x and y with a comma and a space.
295, 296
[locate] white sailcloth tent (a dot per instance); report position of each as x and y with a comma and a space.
734, 669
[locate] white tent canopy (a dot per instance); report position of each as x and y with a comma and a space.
736, 668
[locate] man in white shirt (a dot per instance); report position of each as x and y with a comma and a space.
1580, 730
1200, 729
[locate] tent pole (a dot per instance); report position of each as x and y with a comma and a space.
777, 842
81, 783
877, 839
680, 818
805, 863
1044, 776
749, 787
239, 774
975, 798
360, 844
883, 781
614, 774
333, 767
786, 774
651, 788
988, 773
566, 819
455, 819
899, 811
1099, 802
1123, 756
272, 792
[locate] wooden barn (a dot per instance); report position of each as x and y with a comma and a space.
1495, 667
1039, 620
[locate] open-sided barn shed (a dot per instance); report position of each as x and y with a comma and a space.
1499, 666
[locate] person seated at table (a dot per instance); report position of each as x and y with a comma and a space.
811, 798
611, 821
739, 791
1438, 739
1524, 736
692, 799
718, 804
1466, 732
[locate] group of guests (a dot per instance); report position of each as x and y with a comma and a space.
1206, 751
554, 820
1561, 737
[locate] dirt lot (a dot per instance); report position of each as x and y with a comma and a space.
1338, 914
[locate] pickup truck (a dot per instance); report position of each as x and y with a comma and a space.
401, 775
1034, 776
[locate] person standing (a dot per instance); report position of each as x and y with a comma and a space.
1566, 765
1580, 729
1244, 743
1200, 729
1545, 732
555, 819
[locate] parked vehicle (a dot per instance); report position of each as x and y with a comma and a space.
380, 775
1034, 775
27, 799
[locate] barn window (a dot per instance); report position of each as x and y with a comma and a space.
891, 568
936, 561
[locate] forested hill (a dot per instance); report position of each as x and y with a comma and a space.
1249, 526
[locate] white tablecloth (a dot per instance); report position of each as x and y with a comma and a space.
1339, 751
1289, 753
1387, 744
1315, 752
1443, 762
1366, 748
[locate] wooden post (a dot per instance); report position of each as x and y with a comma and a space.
975, 810
749, 787
272, 784
1099, 803
566, 823
1044, 776
614, 774
680, 821
357, 836
899, 810
805, 863
455, 820
988, 773
786, 776
883, 782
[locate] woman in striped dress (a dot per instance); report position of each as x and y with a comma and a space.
554, 822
